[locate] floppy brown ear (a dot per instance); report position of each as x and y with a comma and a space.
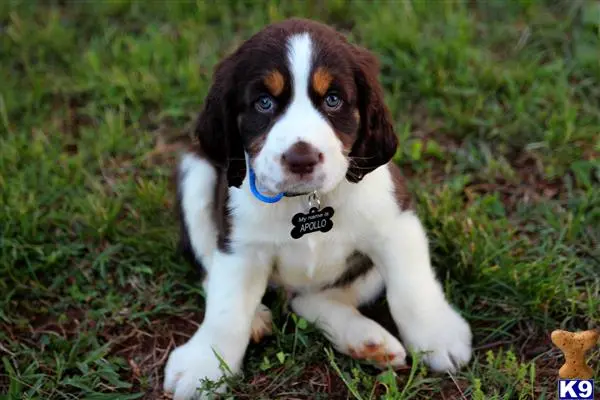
376, 143
216, 127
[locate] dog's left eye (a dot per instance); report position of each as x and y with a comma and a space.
333, 101
264, 104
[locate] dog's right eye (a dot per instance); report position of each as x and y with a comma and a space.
265, 104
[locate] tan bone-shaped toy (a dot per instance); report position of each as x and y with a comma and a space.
574, 346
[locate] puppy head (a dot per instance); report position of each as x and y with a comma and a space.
301, 106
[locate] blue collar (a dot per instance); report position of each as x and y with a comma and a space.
257, 194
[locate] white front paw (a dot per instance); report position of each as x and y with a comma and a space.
188, 365
444, 337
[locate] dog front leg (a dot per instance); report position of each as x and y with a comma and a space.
425, 319
234, 287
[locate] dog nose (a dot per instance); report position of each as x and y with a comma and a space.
301, 158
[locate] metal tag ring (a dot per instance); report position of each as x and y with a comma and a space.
314, 200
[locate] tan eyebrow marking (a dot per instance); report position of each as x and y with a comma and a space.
275, 82
321, 80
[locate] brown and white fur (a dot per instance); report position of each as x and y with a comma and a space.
304, 108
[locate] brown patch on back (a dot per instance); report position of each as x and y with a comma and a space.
221, 211
275, 82
401, 193
321, 80
357, 265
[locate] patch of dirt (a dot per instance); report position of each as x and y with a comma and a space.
66, 327
454, 389
316, 380
147, 349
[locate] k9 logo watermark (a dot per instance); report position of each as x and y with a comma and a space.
575, 389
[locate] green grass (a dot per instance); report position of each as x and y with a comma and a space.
498, 108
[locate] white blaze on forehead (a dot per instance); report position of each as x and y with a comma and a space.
300, 57
301, 120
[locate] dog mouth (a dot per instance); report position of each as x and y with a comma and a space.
291, 186
301, 183
298, 190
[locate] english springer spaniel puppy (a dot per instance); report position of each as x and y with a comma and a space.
291, 183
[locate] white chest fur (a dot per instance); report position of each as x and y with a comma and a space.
317, 258
311, 261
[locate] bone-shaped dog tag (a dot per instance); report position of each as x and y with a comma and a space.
314, 221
